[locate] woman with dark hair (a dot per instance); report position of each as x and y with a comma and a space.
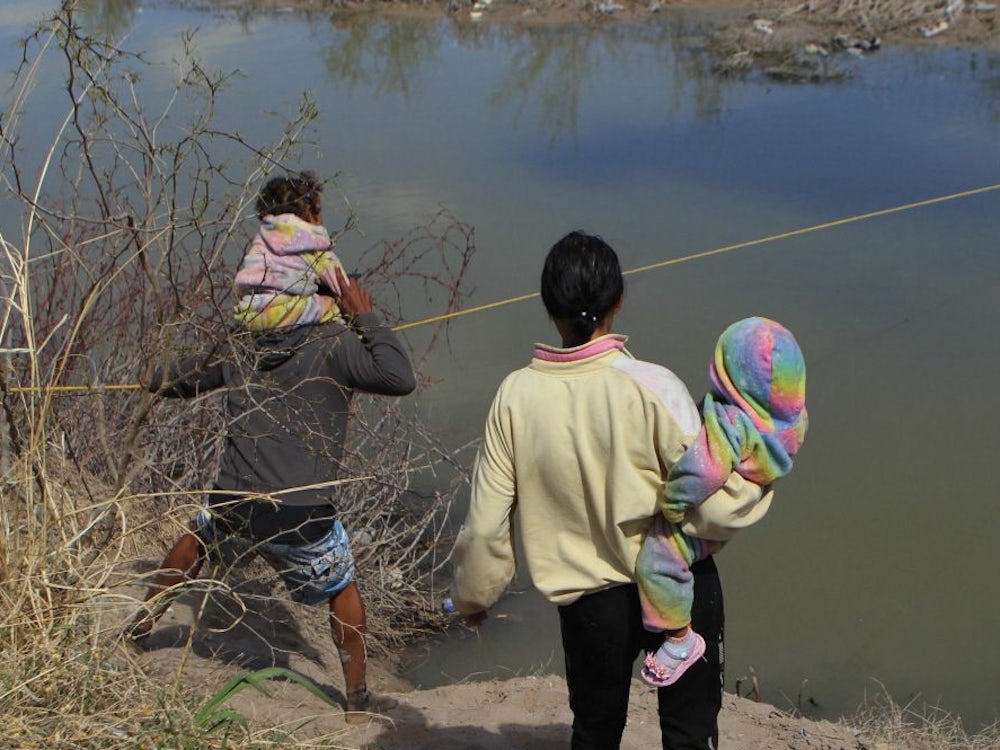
582, 286
576, 449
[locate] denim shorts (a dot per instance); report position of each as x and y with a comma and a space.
312, 573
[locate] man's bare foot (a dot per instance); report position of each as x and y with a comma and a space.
364, 706
139, 629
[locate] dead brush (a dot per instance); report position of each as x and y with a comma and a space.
63, 682
882, 723
122, 260
869, 18
872, 17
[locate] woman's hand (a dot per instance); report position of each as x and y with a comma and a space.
353, 299
476, 618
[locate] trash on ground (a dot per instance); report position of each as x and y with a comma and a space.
934, 30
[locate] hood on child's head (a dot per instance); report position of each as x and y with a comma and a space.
759, 363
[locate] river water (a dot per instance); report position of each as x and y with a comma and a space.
875, 568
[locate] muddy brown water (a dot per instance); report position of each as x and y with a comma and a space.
876, 568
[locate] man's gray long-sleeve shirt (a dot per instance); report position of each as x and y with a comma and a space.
288, 399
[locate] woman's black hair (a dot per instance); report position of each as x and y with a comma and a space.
581, 283
297, 194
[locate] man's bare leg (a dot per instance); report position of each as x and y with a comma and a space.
349, 627
182, 563
348, 624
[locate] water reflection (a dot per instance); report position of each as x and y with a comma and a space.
386, 57
991, 82
108, 18
552, 68
549, 67
555, 66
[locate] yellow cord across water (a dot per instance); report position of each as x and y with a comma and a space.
641, 269
720, 250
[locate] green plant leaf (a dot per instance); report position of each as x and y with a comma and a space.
209, 714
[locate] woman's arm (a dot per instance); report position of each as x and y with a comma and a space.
484, 550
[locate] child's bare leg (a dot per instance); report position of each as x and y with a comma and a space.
182, 563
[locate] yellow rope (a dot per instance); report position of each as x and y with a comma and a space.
466, 311
75, 388
640, 269
818, 227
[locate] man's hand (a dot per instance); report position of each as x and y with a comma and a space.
353, 299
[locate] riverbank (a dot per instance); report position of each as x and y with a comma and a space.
532, 713
200, 649
786, 40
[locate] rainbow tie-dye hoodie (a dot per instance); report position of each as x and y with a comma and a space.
755, 416
278, 282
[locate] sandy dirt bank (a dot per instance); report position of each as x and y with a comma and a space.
527, 713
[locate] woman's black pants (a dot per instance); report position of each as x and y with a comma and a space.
602, 636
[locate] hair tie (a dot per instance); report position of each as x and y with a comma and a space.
588, 317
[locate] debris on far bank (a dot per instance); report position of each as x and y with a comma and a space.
478, 8
785, 40
828, 40
788, 52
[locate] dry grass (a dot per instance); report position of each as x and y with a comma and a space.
63, 681
886, 725
119, 263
